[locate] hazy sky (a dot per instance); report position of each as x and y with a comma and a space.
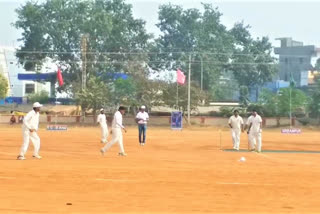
296, 19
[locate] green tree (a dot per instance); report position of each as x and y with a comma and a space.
252, 63
317, 66
270, 101
3, 86
244, 96
54, 28
41, 97
169, 97
194, 32
124, 92
314, 105
298, 100
94, 96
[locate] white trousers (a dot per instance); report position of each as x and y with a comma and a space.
104, 133
236, 138
116, 138
27, 136
255, 140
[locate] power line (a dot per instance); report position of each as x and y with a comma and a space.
154, 53
142, 61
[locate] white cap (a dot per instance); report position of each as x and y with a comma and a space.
143, 107
101, 109
37, 105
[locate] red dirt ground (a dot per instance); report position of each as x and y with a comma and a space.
176, 172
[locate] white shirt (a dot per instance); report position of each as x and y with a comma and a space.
256, 121
142, 117
117, 120
31, 120
102, 119
236, 122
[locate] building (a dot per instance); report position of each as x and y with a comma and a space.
19, 88
295, 61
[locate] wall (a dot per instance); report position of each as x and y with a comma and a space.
154, 121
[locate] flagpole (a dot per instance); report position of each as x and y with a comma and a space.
189, 85
177, 95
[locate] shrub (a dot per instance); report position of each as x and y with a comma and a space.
41, 97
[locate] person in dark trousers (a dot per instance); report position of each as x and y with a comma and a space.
142, 118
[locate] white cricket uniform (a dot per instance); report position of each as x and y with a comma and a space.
30, 121
104, 127
116, 133
255, 137
236, 123
142, 117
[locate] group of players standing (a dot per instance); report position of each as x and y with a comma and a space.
31, 125
253, 127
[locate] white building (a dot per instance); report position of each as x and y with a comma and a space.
10, 68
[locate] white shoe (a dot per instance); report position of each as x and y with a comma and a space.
20, 157
102, 152
37, 156
122, 154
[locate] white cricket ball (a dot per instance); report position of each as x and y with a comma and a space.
242, 159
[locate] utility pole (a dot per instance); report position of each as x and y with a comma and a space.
189, 86
84, 40
201, 79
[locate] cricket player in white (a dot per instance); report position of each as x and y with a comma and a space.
116, 132
236, 125
103, 125
29, 130
254, 125
142, 118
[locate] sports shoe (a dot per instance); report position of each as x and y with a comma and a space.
20, 157
142, 144
37, 156
122, 154
102, 152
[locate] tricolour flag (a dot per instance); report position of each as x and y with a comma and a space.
59, 77
181, 78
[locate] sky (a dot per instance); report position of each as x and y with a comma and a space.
296, 18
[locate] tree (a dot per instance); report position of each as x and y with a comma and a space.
251, 62
298, 100
314, 104
169, 96
244, 96
95, 96
3, 86
192, 32
278, 104
317, 66
124, 92
270, 102
54, 28
41, 97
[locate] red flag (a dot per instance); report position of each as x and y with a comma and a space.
181, 78
59, 77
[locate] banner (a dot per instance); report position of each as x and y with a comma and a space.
176, 120
291, 131
57, 127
